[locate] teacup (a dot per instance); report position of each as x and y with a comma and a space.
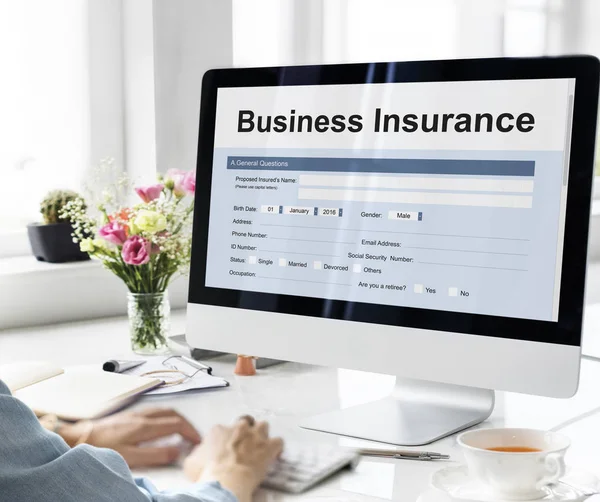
528, 461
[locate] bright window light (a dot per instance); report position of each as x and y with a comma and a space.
261, 35
43, 122
524, 33
391, 30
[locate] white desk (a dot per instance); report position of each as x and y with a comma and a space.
284, 394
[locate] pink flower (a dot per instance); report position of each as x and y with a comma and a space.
189, 182
114, 232
175, 177
149, 193
136, 251
182, 183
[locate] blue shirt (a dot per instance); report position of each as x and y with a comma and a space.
36, 465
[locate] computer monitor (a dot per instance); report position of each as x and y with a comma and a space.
424, 219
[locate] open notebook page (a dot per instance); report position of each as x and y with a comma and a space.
84, 393
23, 374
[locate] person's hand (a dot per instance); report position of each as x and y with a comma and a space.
125, 431
238, 457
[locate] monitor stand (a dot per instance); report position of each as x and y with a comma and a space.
417, 412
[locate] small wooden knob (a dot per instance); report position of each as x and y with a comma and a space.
244, 366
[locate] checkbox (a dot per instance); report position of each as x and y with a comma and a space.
252, 260
282, 262
418, 288
317, 265
356, 268
452, 291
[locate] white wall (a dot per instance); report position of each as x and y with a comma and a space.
105, 82
138, 89
589, 32
190, 37
168, 45
481, 21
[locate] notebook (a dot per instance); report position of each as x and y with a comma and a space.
75, 393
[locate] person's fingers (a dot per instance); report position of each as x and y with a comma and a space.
240, 431
148, 456
275, 447
262, 428
154, 428
241, 427
157, 412
248, 418
168, 412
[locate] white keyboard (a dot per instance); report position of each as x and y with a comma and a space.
300, 466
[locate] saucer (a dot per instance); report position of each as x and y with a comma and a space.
456, 482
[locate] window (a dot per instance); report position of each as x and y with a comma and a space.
379, 30
43, 124
260, 32
525, 28
61, 97
388, 30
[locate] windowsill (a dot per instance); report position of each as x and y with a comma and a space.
14, 243
28, 264
35, 293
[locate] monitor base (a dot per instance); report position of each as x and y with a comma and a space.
417, 412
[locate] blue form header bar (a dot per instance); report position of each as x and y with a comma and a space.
388, 166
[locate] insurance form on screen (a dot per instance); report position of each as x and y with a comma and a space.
442, 195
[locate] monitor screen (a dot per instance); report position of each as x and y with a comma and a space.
446, 196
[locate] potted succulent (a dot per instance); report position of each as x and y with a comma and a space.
52, 240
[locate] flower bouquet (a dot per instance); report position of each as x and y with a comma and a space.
146, 245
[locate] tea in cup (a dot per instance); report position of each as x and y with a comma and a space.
515, 464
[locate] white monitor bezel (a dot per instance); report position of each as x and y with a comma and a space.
545, 369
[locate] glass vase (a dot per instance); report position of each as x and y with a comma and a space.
149, 322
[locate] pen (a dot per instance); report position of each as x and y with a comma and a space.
197, 364
403, 454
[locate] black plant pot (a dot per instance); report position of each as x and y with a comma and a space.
54, 243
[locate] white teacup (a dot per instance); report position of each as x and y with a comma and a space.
515, 475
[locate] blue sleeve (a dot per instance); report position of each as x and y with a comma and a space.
37, 465
206, 492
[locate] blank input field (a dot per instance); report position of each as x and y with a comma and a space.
437, 198
419, 183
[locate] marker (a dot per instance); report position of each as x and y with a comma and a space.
117, 366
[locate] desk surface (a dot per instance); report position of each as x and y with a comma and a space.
286, 393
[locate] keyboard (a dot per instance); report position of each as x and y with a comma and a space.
301, 466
